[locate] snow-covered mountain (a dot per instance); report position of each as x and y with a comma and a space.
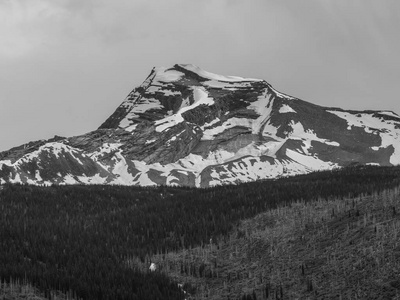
186, 126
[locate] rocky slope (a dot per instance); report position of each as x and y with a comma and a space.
186, 126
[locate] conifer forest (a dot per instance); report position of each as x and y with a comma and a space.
325, 235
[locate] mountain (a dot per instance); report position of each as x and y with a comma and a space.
186, 126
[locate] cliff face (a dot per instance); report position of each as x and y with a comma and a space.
186, 126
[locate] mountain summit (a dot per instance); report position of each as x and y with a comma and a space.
186, 126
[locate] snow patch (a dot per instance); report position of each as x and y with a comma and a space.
286, 109
389, 113
213, 76
69, 179
96, 179
200, 98
224, 85
120, 169
150, 141
210, 124
17, 179
210, 134
387, 130
37, 176
5, 162
106, 148
246, 169
311, 163
166, 75
263, 107
307, 136
130, 128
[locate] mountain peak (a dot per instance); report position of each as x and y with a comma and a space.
181, 71
187, 126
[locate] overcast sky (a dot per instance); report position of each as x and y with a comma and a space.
65, 65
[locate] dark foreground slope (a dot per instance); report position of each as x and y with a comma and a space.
98, 241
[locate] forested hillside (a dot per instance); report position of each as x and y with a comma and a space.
324, 249
96, 242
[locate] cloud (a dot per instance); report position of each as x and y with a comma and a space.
28, 26
77, 55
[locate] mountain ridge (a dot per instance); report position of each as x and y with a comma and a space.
186, 126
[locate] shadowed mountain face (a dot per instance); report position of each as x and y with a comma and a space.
186, 126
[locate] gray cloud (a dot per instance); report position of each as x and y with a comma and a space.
65, 65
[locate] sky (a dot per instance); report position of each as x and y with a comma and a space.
66, 65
